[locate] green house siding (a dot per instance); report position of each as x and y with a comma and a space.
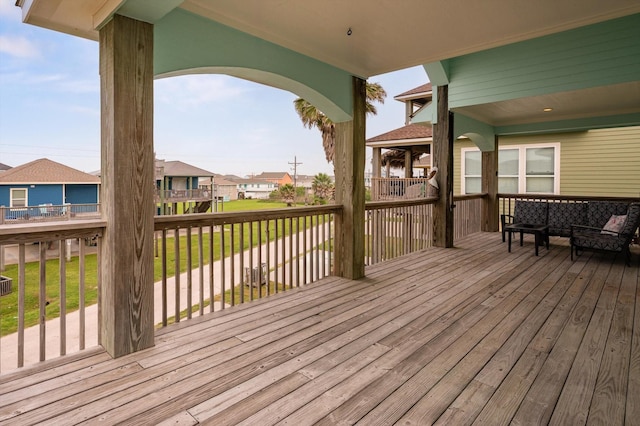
604, 162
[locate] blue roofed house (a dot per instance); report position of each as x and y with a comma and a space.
44, 188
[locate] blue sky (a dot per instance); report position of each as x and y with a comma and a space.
50, 108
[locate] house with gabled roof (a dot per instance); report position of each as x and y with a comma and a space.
279, 178
4, 167
179, 182
44, 181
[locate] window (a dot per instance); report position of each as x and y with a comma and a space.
18, 197
521, 169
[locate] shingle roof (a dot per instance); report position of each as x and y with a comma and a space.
4, 167
412, 131
417, 90
46, 171
271, 175
178, 168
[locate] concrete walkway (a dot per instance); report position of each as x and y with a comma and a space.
9, 344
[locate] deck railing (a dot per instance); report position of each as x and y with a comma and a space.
398, 188
33, 316
240, 256
182, 195
397, 228
204, 263
48, 213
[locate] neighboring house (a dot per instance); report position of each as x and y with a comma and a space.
600, 162
45, 182
279, 178
224, 189
4, 167
178, 182
255, 188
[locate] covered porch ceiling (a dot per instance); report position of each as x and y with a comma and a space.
367, 39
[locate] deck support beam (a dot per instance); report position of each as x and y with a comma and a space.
127, 165
490, 210
349, 165
443, 160
408, 163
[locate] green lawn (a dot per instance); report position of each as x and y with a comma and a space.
8, 303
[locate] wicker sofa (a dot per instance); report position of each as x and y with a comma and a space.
582, 222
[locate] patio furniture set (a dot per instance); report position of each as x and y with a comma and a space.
593, 225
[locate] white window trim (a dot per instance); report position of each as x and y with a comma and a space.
522, 155
26, 196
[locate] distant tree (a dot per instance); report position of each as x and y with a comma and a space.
313, 117
288, 194
322, 186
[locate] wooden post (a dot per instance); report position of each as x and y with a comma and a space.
443, 160
349, 169
376, 165
408, 164
126, 269
490, 210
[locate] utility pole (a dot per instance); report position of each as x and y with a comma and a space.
295, 165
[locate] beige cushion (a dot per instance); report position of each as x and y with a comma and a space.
614, 225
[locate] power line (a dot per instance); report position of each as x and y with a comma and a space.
295, 170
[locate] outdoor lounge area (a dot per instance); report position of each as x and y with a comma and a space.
448, 336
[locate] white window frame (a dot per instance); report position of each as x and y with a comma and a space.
522, 166
26, 197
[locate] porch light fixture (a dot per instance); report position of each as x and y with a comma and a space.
547, 109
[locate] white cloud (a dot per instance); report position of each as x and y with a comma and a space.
195, 90
19, 47
8, 8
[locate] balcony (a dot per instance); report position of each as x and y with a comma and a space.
182, 195
398, 188
440, 335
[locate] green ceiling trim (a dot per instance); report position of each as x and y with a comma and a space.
574, 125
185, 43
438, 73
480, 133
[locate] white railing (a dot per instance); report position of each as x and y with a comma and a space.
398, 188
48, 213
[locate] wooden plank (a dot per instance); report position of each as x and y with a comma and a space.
632, 413
490, 209
611, 392
443, 160
573, 404
541, 399
126, 83
349, 164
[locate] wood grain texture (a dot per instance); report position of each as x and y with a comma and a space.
471, 335
490, 207
126, 81
443, 160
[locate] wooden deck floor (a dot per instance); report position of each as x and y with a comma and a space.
471, 335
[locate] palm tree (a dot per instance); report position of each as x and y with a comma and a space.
288, 194
322, 186
312, 117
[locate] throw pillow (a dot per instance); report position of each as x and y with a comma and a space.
614, 225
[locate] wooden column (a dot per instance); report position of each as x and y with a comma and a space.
376, 165
408, 164
126, 270
349, 168
443, 160
490, 210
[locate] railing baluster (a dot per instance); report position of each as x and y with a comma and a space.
189, 272
42, 299
232, 269
81, 292
211, 271
176, 273
201, 271
223, 261
62, 268
21, 302
164, 278
243, 274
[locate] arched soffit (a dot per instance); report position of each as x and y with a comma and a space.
185, 43
481, 134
